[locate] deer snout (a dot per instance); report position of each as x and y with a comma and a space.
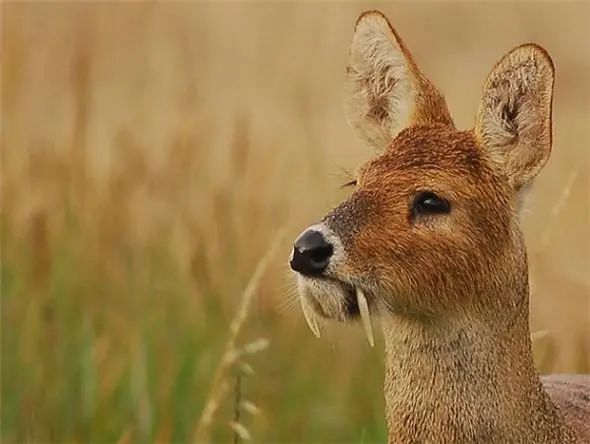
311, 253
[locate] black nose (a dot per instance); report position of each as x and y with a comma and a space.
311, 253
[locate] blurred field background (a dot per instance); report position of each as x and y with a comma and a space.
151, 152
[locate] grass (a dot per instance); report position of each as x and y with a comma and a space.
149, 155
233, 355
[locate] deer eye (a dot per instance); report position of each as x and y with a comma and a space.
427, 203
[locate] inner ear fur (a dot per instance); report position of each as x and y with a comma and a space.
386, 90
514, 120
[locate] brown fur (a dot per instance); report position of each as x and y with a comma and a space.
451, 290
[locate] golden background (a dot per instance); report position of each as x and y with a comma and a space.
151, 153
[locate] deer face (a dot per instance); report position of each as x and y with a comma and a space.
432, 220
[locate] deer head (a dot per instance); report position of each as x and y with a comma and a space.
430, 230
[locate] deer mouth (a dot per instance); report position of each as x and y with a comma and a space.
329, 298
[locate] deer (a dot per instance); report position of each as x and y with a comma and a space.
429, 243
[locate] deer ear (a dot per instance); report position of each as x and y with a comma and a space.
514, 119
386, 91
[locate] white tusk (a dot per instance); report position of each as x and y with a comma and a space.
310, 318
365, 316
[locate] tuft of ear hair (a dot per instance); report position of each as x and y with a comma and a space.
386, 90
514, 120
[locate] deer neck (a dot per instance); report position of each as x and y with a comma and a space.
465, 380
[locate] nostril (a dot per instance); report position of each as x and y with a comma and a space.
311, 253
321, 254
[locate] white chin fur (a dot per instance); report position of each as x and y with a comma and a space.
327, 299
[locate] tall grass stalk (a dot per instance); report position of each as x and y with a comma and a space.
219, 384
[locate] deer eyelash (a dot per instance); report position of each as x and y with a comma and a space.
351, 183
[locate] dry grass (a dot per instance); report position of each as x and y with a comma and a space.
149, 154
233, 354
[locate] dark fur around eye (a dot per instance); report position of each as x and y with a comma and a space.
427, 203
